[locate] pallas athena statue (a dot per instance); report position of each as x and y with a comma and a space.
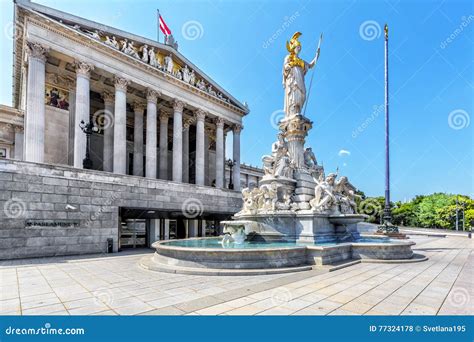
294, 70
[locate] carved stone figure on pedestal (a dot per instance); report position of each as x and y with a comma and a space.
186, 74
201, 85
152, 58
294, 70
345, 194
145, 53
124, 45
324, 198
192, 78
169, 64
111, 42
94, 34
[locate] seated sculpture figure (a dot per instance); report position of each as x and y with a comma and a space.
278, 164
324, 198
345, 194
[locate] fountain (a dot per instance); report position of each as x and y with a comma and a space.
296, 218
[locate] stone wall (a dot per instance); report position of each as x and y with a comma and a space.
30, 191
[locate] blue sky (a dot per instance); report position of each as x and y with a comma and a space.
431, 77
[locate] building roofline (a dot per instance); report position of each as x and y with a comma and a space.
48, 11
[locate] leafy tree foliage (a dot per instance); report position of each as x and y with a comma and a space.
437, 210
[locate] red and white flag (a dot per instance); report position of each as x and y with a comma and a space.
163, 27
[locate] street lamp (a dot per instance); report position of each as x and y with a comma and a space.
88, 129
230, 164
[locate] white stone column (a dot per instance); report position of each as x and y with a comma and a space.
120, 126
186, 125
207, 142
178, 141
35, 107
138, 108
219, 153
19, 136
83, 72
200, 117
151, 133
164, 145
236, 149
72, 123
108, 127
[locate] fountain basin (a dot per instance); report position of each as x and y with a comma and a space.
198, 255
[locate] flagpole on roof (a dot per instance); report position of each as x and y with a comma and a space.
158, 25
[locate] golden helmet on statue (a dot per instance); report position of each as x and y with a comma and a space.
294, 42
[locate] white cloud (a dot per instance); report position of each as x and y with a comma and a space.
344, 153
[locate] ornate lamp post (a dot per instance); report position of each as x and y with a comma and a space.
230, 164
88, 129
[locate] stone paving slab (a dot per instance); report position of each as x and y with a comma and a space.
116, 285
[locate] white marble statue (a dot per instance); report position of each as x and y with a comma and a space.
169, 64
294, 70
278, 164
324, 198
124, 45
145, 55
346, 194
192, 78
186, 74
111, 42
94, 34
152, 58
201, 85
178, 75
131, 50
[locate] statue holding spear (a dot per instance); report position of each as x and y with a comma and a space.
294, 70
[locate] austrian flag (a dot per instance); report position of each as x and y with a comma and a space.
163, 27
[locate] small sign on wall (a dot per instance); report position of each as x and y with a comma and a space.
52, 223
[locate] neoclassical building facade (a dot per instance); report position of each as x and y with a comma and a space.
158, 129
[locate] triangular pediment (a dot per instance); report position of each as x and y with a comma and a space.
160, 56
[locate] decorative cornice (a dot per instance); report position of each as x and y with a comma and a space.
121, 84
200, 115
71, 34
152, 95
83, 69
178, 106
108, 97
37, 51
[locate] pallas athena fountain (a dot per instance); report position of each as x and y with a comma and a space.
297, 218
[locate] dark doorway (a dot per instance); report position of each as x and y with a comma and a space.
181, 229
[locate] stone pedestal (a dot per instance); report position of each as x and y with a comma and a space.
295, 129
304, 191
304, 225
390, 231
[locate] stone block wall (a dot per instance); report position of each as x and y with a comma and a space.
91, 199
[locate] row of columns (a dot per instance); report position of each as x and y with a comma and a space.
114, 126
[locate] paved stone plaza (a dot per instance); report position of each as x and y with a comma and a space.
116, 285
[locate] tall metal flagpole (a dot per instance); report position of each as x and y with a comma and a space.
387, 227
158, 25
